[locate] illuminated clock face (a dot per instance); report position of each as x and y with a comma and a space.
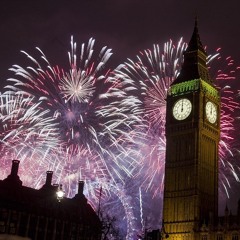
211, 112
182, 109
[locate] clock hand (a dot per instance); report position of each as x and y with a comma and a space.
182, 106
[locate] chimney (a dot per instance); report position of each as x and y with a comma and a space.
49, 178
80, 187
13, 177
15, 165
80, 196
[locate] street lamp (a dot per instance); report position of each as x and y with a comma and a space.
60, 193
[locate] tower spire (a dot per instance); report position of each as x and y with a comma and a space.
192, 141
195, 60
195, 42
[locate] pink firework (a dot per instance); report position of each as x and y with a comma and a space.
152, 73
26, 133
85, 103
224, 70
93, 120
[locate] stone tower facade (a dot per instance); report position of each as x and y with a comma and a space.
192, 138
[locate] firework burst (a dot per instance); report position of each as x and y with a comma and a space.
106, 128
84, 102
26, 133
224, 72
93, 124
152, 74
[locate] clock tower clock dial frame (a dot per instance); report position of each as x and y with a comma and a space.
192, 138
182, 109
211, 112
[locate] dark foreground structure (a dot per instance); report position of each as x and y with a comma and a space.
40, 215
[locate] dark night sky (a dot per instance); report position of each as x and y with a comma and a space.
126, 26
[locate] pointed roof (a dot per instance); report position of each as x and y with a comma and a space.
195, 42
195, 60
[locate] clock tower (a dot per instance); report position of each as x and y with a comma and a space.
192, 138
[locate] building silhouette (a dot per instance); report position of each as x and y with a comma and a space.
39, 214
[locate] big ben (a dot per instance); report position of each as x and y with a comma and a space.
192, 139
